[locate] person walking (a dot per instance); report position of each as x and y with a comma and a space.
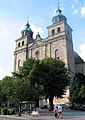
59, 111
56, 112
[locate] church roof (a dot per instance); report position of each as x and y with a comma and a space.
27, 30
58, 16
78, 59
27, 27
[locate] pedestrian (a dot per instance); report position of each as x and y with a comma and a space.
60, 111
56, 111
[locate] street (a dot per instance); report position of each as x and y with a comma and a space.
67, 115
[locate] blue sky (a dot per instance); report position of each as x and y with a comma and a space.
13, 17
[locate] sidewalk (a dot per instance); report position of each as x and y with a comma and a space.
67, 115
27, 117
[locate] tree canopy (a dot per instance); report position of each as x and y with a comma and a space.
53, 75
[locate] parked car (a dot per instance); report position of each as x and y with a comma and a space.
79, 106
83, 107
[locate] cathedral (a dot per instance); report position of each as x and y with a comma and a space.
58, 44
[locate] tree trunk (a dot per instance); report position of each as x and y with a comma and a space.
19, 114
51, 102
37, 103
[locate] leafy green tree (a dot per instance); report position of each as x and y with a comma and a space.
24, 91
27, 67
50, 74
78, 95
82, 94
21, 91
7, 89
53, 75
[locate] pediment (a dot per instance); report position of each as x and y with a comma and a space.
35, 44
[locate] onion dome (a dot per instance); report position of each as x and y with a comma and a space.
27, 31
59, 17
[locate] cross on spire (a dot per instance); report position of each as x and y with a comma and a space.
58, 3
28, 20
27, 24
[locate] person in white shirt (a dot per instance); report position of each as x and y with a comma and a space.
60, 111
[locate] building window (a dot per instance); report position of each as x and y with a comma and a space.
53, 32
56, 54
58, 29
19, 63
19, 44
22, 43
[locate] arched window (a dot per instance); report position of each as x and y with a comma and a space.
22, 43
53, 32
56, 54
19, 44
58, 30
19, 63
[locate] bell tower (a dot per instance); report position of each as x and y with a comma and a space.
60, 35
21, 50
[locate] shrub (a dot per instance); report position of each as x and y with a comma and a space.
4, 111
11, 111
7, 111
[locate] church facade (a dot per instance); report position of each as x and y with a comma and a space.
58, 44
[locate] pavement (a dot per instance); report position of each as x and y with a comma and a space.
67, 115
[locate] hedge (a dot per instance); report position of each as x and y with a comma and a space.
7, 111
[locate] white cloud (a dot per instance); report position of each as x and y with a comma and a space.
82, 10
36, 30
82, 51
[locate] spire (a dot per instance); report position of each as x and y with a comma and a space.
27, 25
59, 16
38, 37
27, 30
58, 4
28, 20
58, 10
